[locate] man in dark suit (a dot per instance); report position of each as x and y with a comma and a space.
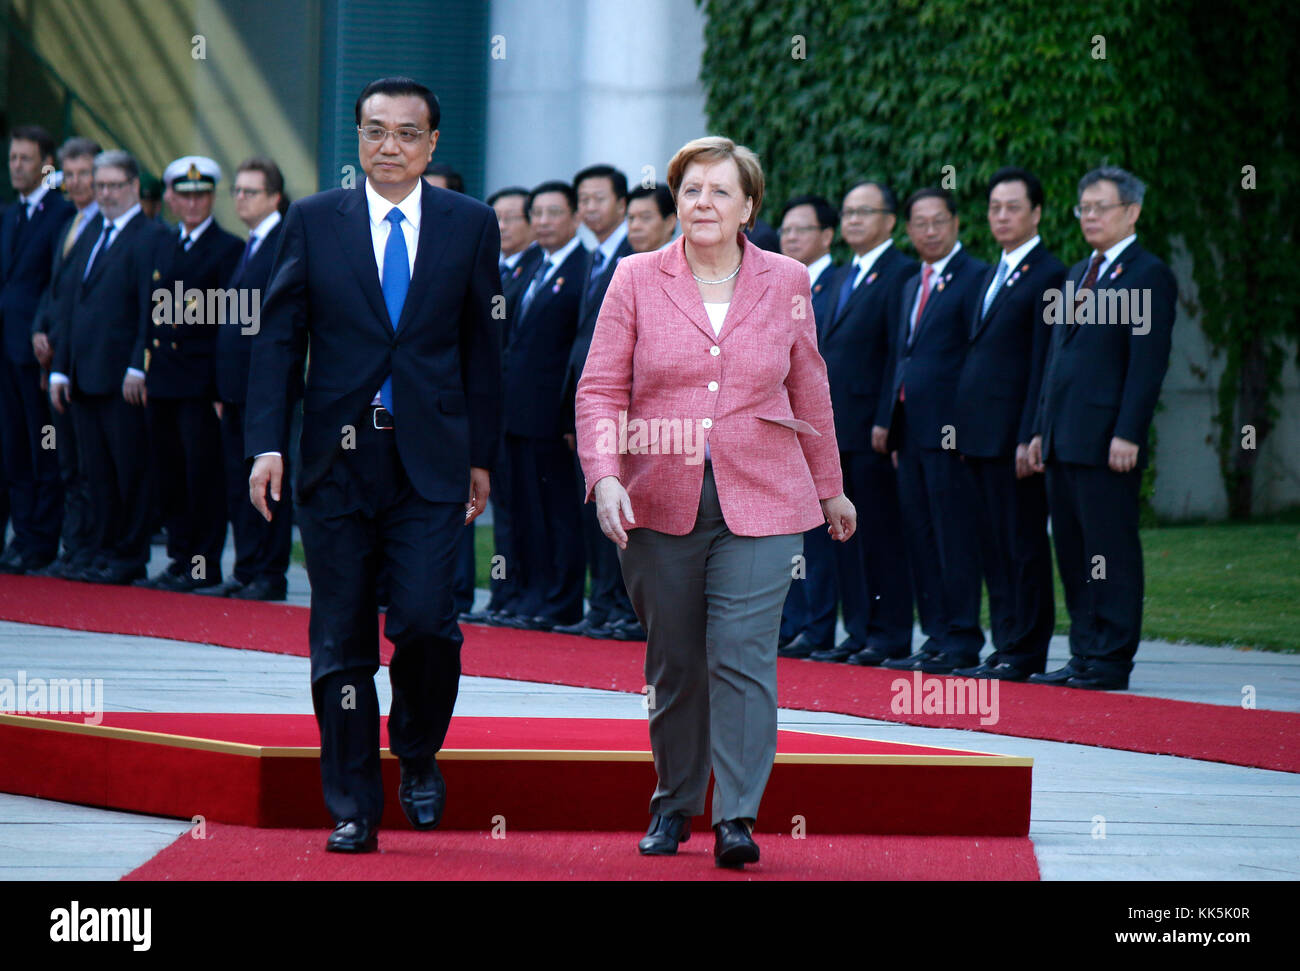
934, 487
651, 218
77, 161
192, 271
261, 549
391, 287
1110, 349
874, 587
100, 367
602, 202
29, 232
997, 397
519, 257
808, 618
545, 518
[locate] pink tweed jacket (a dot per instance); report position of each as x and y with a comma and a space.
658, 385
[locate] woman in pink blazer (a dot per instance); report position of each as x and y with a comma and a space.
707, 442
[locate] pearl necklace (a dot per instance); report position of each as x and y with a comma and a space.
711, 283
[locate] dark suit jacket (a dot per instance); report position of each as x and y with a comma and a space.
180, 354
588, 311
537, 353
234, 347
823, 296
929, 365
997, 394
856, 346
26, 259
52, 311
517, 282
444, 357
1103, 380
109, 312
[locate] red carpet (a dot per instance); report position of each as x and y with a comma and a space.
1218, 733
531, 773
244, 853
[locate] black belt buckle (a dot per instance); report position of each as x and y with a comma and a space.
381, 418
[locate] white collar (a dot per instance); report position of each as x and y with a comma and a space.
35, 196
198, 230
91, 210
562, 254
1109, 256
120, 222
818, 265
938, 268
1020, 252
266, 225
381, 207
613, 241
868, 259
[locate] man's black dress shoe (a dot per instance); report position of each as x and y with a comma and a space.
473, 617
664, 834
120, 576
732, 844
1099, 682
802, 647
1072, 669
582, 628
912, 662
944, 664
225, 589
874, 656
841, 652
422, 792
997, 671
353, 836
261, 589
627, 630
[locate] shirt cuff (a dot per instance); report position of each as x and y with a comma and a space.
260, 454
134, 372
58, 377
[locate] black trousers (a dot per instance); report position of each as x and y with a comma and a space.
29, 447
1017, 559
812, 604
262, 549
78, 533
938, 504
362, 515
1095, 514
546, 526
608, 600
875, 587
113, 444
186, 437
503, 578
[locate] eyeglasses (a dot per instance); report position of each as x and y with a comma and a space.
112, 186
378, 133
924, 226
240, 190
798, 230
861, 212
1097, 208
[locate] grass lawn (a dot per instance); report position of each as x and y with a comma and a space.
1212, 583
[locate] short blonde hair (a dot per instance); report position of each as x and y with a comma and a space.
715, 148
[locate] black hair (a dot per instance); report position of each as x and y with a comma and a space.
455, 181
929, 192
396, 87
507, 192
616, 178
1011, 173
884, 188
35, 133
827, 217
661, 194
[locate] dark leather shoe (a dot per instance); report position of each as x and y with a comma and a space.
1099, 682
628, 630
875, 656
261, 589
801, 647
119, 576
353, 836
473, 617
912, 662
841, 652
664, 834
224, 589
944, 664
1072, 669
998, 671
422, 792
582, 628
732, 844
499, 618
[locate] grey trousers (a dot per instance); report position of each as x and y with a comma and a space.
711, 603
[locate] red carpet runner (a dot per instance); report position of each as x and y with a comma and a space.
244, 853
1218, 733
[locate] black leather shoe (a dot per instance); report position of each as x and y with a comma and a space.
871, 657
582, 628
628, 630
1072, 669
732, 844
224, 589
802, 646
353, 836
1099, 682
119, 576
11, 559
945, 664
664, 834
24, 563
422, 792
912, 662
499, 618
997, 671
841, 652
473, 617
261, 589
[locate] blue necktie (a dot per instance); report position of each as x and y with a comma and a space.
846, 288
597, 268
997, 285
533, 286
396, 281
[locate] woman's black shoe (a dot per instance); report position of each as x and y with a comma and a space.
664, 834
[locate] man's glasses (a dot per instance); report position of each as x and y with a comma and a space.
378, 133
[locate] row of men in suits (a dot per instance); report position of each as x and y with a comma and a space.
970, 401
545, 534
124, 397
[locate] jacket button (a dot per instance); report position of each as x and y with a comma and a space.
174, 345
715, 350
713, 385
707, 423
156, 342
